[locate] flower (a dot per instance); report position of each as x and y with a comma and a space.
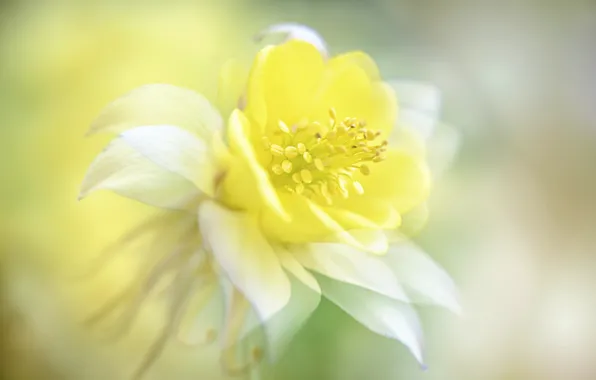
305, 188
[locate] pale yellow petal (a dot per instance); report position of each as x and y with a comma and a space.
246, 257
347, 264
124, 170
160, 104
178, 151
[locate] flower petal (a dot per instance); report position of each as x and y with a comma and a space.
231, 86
202, 321
401, 179
347, 264
282, 83
125, 171
247, 180
422, 97
245, 256
276, 333
160, 104
292, 265
178, 151
421, 275
385, 316
294, 31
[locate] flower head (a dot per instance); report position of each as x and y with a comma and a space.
298, 192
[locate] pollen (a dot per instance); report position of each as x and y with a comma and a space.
319, 160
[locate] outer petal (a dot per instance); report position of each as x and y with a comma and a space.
160, 104
245, 256
178, 151
385, 316
346, 264
127, 172
422, 276
276, 333
290, 264
422, 97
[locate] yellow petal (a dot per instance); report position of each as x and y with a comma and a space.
351, 92
282, 83
245, 256
359, 58
160, 104
402, 180
246, 175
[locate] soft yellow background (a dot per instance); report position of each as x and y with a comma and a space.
513, 220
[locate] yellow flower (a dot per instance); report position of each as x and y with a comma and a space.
299, 191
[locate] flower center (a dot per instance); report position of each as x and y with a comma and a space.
315, 159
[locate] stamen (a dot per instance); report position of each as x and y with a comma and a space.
364, 169
286, 166
306, 175
307, 157
301, 148
277, 169
296, 177
276, 150
291, 152
319, 164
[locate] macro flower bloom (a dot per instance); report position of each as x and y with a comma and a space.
301, 181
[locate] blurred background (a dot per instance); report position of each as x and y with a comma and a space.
513, 219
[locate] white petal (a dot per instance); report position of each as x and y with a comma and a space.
420, 96
125, 171
203, 319
276, 334
292, 265
160, 104
422, 123
245, 256
443, 147
424, 279
385, 316
294, 31
347, 264
178, 151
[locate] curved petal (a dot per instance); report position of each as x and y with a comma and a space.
295, 31
231, 86
310, 222
422, 276
384, 316
361, 59
347, 264
202, 321
349, 89
282, 82
178, 151
246, 175
292, 265
160, 104
245, 256
125, 171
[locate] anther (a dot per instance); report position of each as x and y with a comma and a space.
266, 142
277, 169
301, 148
299, 188
332, 114
319, 164
296, 178
364, 169
307, 157
283, 126
276, 150
306, 175
286, 166
291, 152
